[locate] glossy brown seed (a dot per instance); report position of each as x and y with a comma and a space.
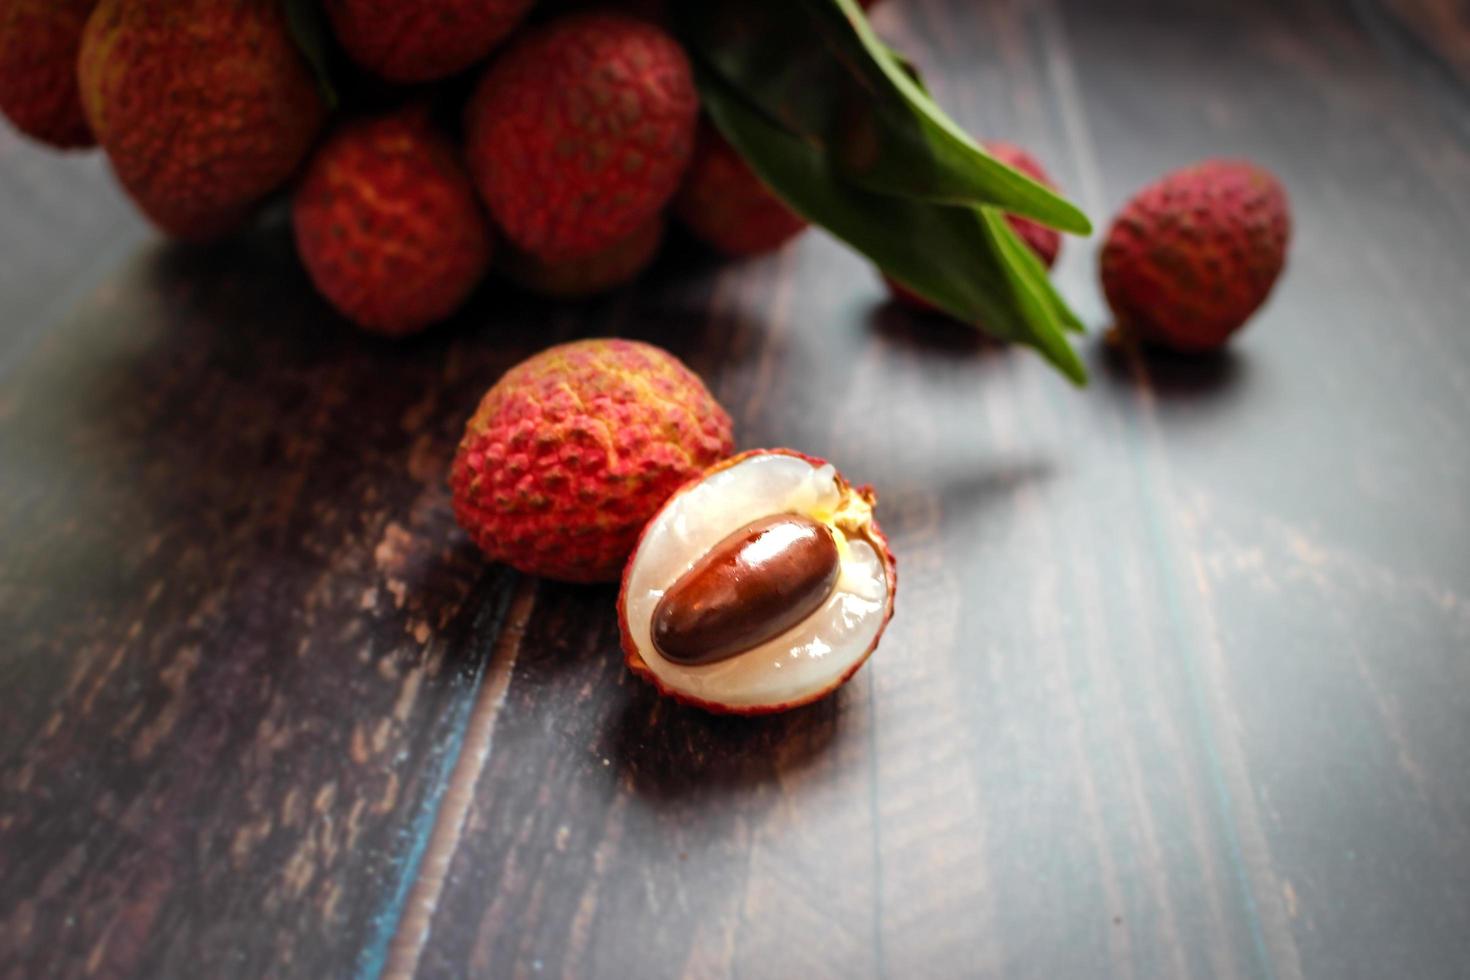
754, 585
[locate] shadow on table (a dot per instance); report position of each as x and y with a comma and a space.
671, 753
1172, 376
930, 332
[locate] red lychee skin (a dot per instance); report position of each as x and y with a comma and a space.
421, 40
579, 133
203, 106
573, 450
39, 40
1193, 255
388, 225
726, 205
596, 273
875, 537
1045, 242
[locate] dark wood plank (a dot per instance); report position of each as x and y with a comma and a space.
237, 635
1177, 685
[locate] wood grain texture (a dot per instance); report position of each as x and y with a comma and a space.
1178, 685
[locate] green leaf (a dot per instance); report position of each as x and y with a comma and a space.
967, 260
816, 68
304, 20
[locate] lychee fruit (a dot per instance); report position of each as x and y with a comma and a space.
421, 40
388, 225
1045, 242
203, 106
39, 40
726, 205
572, 451
762, 585
1193, 255
614, 266
580, 131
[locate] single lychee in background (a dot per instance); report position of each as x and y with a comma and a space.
39, 40
387, 224
724, 203
580, 131
1193, 255
421, 40
203, 106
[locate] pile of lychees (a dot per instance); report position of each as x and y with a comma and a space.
580, 132
749, 584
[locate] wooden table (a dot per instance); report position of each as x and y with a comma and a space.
1179, 683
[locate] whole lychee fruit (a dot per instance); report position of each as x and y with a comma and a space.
39, 40
420, 40
1193, 255
762, 585
579, 133
573, 450
388, 225
203, 106
726, 205
614, 266
1045, 242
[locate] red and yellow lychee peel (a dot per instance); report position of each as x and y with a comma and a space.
420, 40
203, 106
726, 205
614, 266
1193, 255
760, 586
388, 225
573, 450
1045, 242
580, 131
39, 40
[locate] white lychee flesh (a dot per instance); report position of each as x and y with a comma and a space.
812, 657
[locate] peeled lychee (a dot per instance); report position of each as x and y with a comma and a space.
614, 266
573, 450
388, 225
39, 40
420, 40
762, 585
1193, 255
203, 106
1045, 242
725, 204
579, 133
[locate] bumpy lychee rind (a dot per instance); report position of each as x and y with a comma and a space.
203, 106
421, 40
39, 40
1045, 242
388, 225
1192, 256
726, 205
873, 534
572, 451
612, 267
579, 133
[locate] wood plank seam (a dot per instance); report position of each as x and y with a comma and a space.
402, 928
